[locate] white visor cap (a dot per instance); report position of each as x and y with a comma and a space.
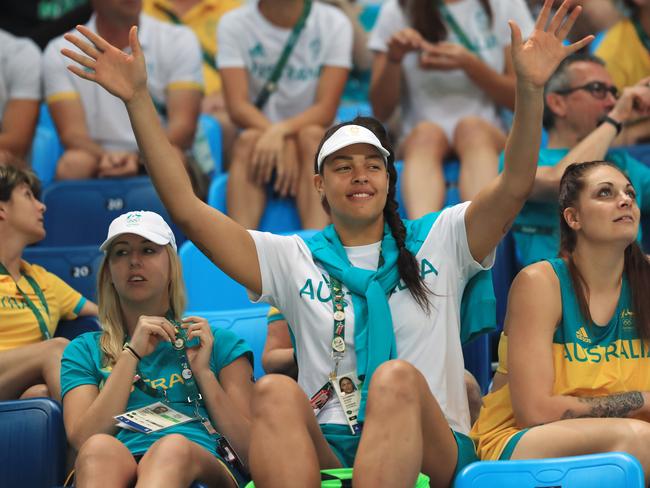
346, 136
149, 225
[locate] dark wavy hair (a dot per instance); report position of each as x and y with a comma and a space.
425, 18
636, 266
407, 265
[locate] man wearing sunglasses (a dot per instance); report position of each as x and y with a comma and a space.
584, 115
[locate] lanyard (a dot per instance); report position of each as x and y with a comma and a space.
338, 336
453, 25
643, 37
271, 84
208, 58
45, 332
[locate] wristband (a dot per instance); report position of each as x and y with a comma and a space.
617, 125
127, 347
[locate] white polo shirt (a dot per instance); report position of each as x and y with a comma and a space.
248, 40
20, 69
173, 60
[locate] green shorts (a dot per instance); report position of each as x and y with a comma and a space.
510, 445
344, 445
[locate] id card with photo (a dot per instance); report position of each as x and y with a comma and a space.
347, 388
151, 418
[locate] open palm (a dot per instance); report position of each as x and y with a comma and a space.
536, 59
121, 74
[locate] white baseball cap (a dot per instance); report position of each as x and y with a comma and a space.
149, 225
346, 136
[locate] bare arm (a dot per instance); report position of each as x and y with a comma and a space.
633, 103
89, 308
70, 121
88, 411
18, 126
489, 216
183, 106
534, 311
222, 240
242, 111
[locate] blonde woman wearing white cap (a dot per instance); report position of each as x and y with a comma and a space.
399, 300
148, 357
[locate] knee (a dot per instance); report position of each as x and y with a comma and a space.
471, 129
96, 449
172, 448
634, 436
76, 164
310, 136
271, 392
394, 381
247, 139
425, 136
56, 346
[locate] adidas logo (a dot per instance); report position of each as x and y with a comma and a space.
582, 335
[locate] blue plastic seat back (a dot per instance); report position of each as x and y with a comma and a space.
504, 271
208, 144
46, 147
607, 470
209, 288
280, 214
476, 355
79, 212
32, 443
76, 265
249, 324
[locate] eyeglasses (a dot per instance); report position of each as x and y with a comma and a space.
598, 90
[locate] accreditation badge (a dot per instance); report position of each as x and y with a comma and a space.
347, 387
151, 418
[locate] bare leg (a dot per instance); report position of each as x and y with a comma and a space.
104, 461
311, 211
478, 144
228, 135
587, 436
245, 198
175, 461
26, 366
404, 432
76, 164
36, 391
284, 426
423, 182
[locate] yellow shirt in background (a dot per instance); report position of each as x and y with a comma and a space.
203, 19
627, 59
18, 326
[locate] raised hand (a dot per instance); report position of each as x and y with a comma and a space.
537, 59
121, 74
149, 331
199, 355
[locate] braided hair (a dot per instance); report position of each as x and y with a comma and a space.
407, 265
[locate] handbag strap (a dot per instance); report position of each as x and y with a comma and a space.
271, 83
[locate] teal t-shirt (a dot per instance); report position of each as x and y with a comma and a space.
82, 365
536, 229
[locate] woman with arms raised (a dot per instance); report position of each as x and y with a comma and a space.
394, 285
148, 356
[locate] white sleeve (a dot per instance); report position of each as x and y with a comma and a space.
281, 258
390, 20
518, 11
450, 232
184, 59
231, 52
339, 47
57, 78
24, 71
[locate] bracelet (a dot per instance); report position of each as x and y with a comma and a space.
127, 347
617, 125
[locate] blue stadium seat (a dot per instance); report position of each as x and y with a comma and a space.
249, 324
279, 216
32, 443
369, 14
207, 147
607, 470
79, 212
504, 271
72, 328
46, 148
209, 288
349, 110
76, 265
476, 354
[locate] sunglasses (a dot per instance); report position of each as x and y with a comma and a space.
598, 90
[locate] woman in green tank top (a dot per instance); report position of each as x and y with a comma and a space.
577, 329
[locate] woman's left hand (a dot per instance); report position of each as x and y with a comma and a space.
444, 56
199, 355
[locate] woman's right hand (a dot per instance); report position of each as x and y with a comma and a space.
149, 331
403, 42
121, 74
